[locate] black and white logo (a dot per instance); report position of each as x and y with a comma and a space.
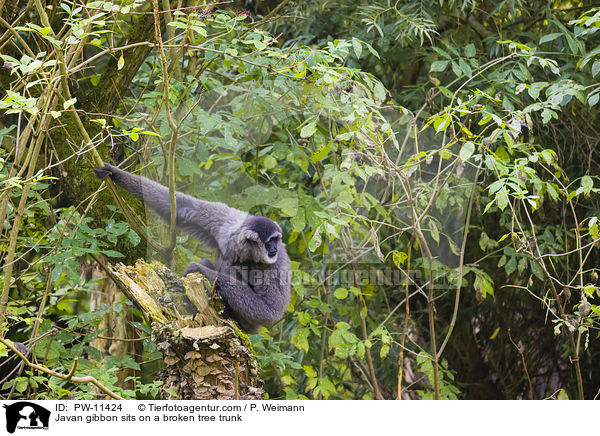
25, 415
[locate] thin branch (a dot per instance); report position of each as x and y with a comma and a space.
363, 325
405, 324
460, 269
524, 365
67, 377
174, 133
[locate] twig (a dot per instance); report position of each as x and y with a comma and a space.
67, 377
405, 324
73, 368
430, 293
363, 325
524, 365
172, 139
16, 35
460, 269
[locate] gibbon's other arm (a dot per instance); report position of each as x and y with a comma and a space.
248, 308
208, 221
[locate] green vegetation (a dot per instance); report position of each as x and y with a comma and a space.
375, 133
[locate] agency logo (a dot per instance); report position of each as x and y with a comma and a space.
26, 415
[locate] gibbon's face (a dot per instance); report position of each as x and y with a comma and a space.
270, 248
264, 236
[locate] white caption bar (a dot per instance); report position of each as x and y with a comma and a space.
307, 418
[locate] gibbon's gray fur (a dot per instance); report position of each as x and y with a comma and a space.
252, 268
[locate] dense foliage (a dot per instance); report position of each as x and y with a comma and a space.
433, 165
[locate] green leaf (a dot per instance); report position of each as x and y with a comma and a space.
587, 184
549, 156
552, 191
483, 286
549, 37
441, 52
456, 69
385, 349
465, 68
259, 45
470, 50
120, 62
596, 68
341, 293
441, 122
438, 66
510, 266
379, 92
547, 115
372, 50
300, 339
67, 104
288, 206
502, 200
298, 222
315, 241
112, 253
502, 154
357, 47
434, 232
535, 88
536, 269
589, 290
133, 237
304, 318
270, 162
309, 129
149, 133
399, 257
466, 151
321, 153
593, 226
21, 384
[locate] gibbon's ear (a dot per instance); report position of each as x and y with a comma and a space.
249, 235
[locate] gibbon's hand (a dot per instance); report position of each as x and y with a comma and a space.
103, 172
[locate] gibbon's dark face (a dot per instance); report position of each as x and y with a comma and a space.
269, 234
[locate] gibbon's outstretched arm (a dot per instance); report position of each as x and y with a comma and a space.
211, 222
247, 244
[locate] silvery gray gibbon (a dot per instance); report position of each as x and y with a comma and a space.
252, 268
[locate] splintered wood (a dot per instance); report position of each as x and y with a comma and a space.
205, 356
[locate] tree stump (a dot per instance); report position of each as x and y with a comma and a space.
206, 357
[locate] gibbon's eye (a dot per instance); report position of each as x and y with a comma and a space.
271, 246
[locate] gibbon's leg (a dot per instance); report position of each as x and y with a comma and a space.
248, 307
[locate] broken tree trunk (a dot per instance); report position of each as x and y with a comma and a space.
205, 356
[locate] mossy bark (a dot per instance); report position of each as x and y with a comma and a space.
205, 356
